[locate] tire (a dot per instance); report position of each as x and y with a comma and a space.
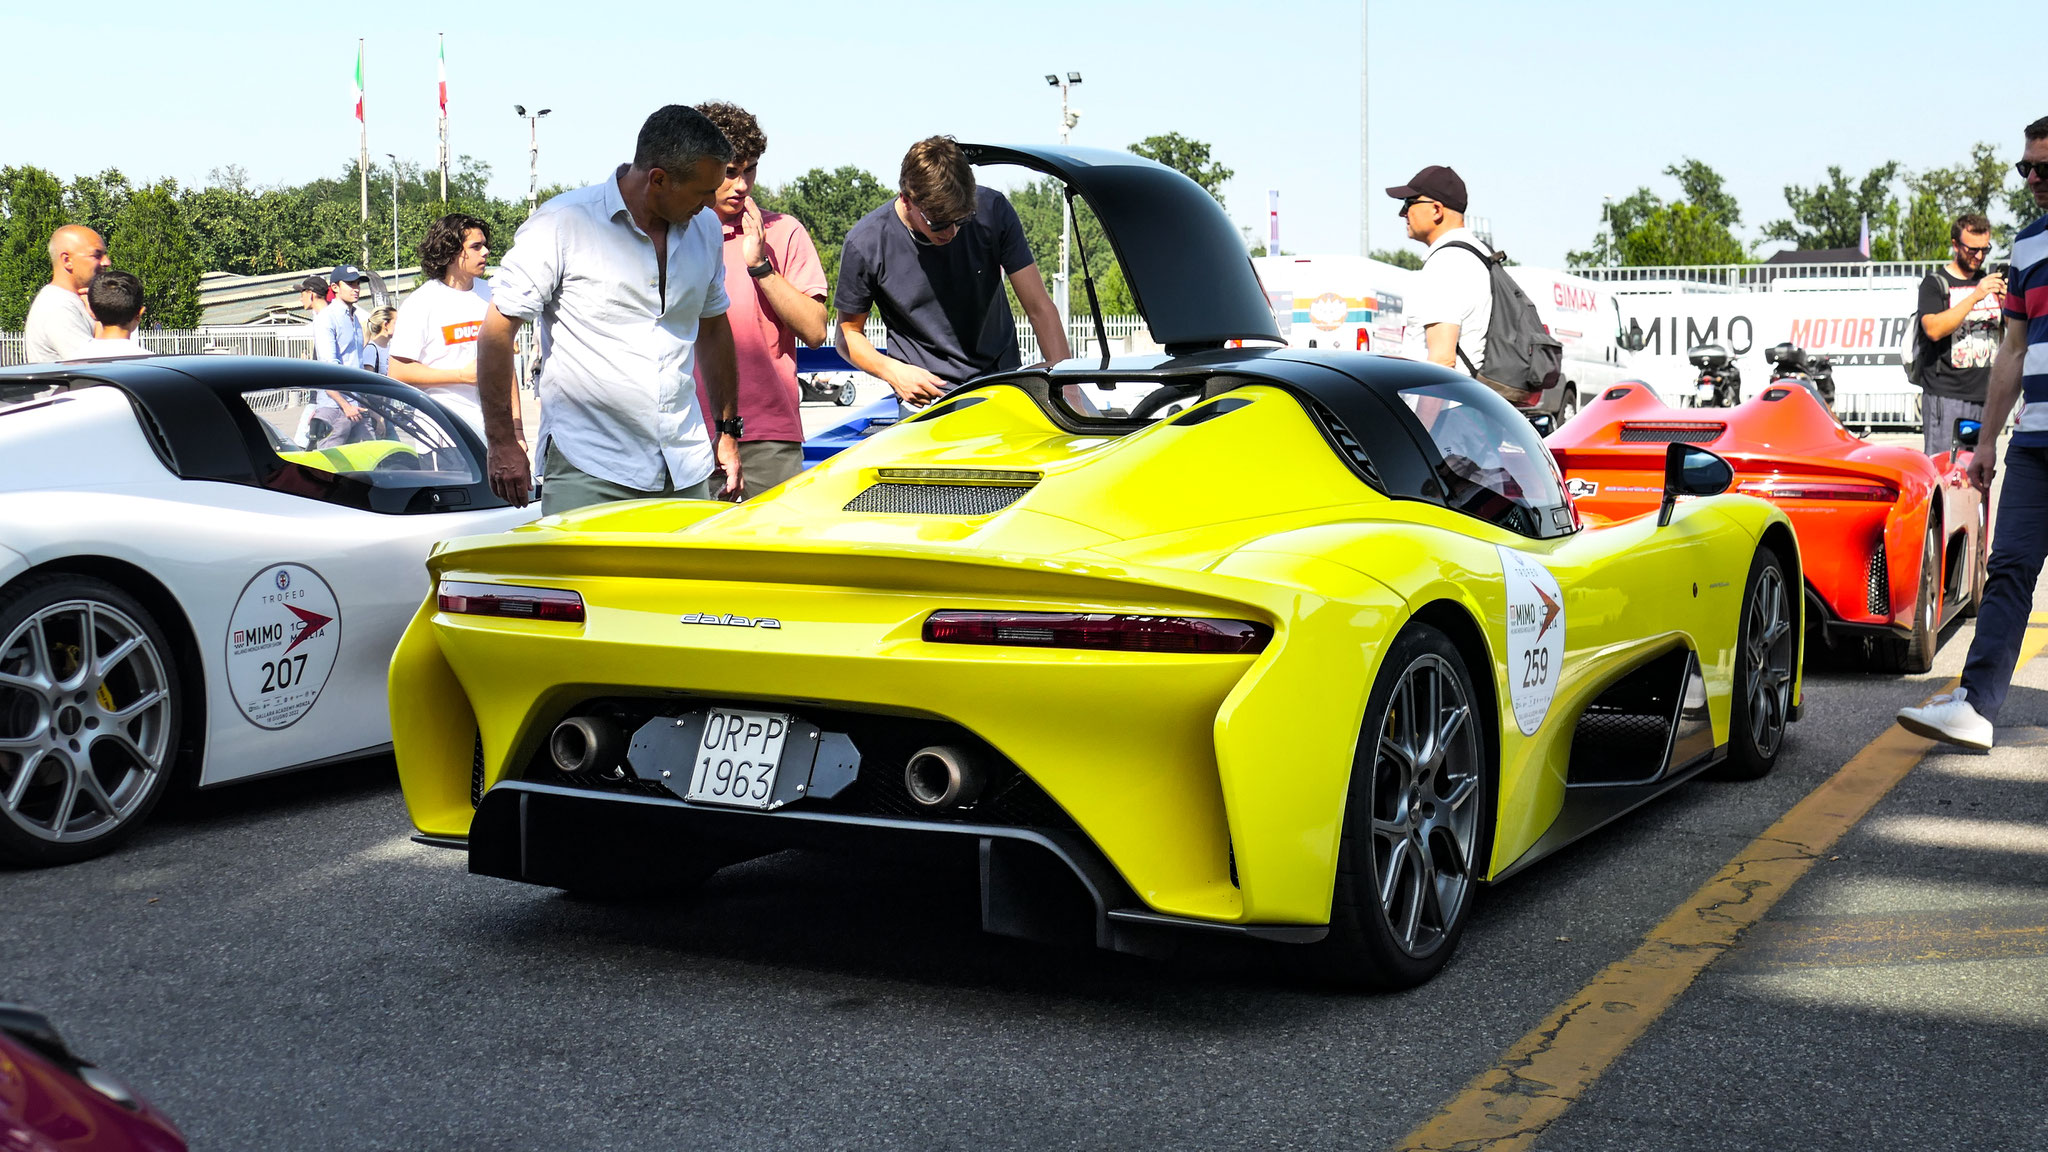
1418, 821
845, 394
1766, 646
1569, 407
90, 711
1980, 564
1915, 653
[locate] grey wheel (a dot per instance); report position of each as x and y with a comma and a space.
1418, 819
844, 394
1766, 648
88, 719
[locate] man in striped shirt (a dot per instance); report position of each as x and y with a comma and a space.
2019, 372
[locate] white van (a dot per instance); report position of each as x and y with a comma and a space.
1344, 302
1584, 317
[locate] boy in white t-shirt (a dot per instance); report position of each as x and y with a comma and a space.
433, 345
115, 300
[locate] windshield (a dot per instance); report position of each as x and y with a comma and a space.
1494, 466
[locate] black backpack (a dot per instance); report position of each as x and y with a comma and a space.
1521, 355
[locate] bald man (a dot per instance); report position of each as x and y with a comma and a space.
59, 327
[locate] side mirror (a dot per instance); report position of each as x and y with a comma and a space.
1966, 433
1691, 471
1633, 340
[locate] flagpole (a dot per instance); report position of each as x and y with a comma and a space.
363, 156
444, 116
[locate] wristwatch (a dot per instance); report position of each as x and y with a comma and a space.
762, 270
732, 427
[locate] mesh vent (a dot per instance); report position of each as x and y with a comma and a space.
476, 772
1880, 590
1676, 433
937, 499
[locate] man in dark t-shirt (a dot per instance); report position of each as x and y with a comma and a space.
932, 262
1959, 329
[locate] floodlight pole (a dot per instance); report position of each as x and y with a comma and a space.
394, 219
1068, 118
532, 155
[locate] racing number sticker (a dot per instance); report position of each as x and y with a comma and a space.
1535, 637
282, 640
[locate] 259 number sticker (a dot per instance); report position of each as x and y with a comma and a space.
283, 637
1535, 623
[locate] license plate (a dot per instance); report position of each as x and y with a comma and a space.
737, 758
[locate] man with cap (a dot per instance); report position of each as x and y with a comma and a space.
338, 339
312, 297
1452, 302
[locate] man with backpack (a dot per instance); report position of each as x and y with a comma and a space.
1957, 324
1474, 317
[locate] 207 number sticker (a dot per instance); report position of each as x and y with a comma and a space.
1535, 623
283, 637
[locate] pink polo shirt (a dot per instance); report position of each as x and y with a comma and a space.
765, 346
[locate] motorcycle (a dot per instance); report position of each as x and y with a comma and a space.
1720, 382
1791, 365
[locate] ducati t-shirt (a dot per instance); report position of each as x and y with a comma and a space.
1958, 365
438, 326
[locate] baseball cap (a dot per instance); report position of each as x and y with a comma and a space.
313, 284
1437, 183
349, 273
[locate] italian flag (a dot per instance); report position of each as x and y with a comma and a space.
441, 72
359, 81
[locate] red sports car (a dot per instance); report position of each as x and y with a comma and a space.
1892, 540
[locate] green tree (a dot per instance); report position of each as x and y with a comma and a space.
1188, 157
2020, 203
1923, 232
225, 223
828, 204
1623, 216
1039, 205
95, 201
1702, 187
1398, 257
1831, 214
150, 239
33, 201
1681, 233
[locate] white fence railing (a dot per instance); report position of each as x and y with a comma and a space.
1750, 277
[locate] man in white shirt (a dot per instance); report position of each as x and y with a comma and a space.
115, 298
627, 278
58, 325
1452, 301
433, 345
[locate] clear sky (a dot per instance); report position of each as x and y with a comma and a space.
1541, 107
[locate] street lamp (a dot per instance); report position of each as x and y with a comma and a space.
532, 155
394, 219
1068, 118
1607, 226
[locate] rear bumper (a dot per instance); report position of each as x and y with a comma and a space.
1036, 884
1834, 629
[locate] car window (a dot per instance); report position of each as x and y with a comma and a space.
380, 440
1131, 402
1494, 465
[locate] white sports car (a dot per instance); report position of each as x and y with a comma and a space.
205, 563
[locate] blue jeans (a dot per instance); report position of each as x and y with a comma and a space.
2018, 546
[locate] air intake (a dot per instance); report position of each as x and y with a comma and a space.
925, 499
1673, 432
1879, 594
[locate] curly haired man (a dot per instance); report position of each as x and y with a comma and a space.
433, 344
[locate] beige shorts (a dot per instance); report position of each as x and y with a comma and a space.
564, 487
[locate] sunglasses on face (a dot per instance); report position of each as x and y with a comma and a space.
2028, 168
1410, 203
1972, 249
932, 225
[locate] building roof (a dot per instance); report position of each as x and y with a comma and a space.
1820, 256
226, 298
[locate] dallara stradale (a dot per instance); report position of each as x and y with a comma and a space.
1295, 646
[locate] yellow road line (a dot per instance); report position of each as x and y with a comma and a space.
1544, 1073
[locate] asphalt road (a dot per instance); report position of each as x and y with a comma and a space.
278, 966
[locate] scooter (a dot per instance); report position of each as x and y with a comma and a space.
1790, 363
1720, 382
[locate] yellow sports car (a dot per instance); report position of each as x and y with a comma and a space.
1294, 646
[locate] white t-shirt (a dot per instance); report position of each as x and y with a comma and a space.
437, 326
58, 325
101, 348
1454, 288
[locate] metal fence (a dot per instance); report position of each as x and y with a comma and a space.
1754, 277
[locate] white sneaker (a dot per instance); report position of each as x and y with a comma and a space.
1949, 717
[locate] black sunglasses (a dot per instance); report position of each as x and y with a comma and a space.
1972, 249
1411, 202
940, 225
2028, 168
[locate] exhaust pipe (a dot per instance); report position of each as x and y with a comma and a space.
585, 744
943, 776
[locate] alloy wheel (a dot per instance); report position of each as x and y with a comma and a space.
1425, 807
1767, 662
85, 721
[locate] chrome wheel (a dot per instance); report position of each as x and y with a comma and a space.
86, 721
1425, 813
1767, 661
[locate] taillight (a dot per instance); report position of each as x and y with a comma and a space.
512, 601
1819, 490
1184, 634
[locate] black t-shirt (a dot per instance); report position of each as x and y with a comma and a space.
1958, 365
944, 303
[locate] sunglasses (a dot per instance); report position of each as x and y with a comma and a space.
1972, 249
940, 225
1412, 202
2028, 168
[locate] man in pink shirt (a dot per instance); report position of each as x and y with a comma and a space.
777, 288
